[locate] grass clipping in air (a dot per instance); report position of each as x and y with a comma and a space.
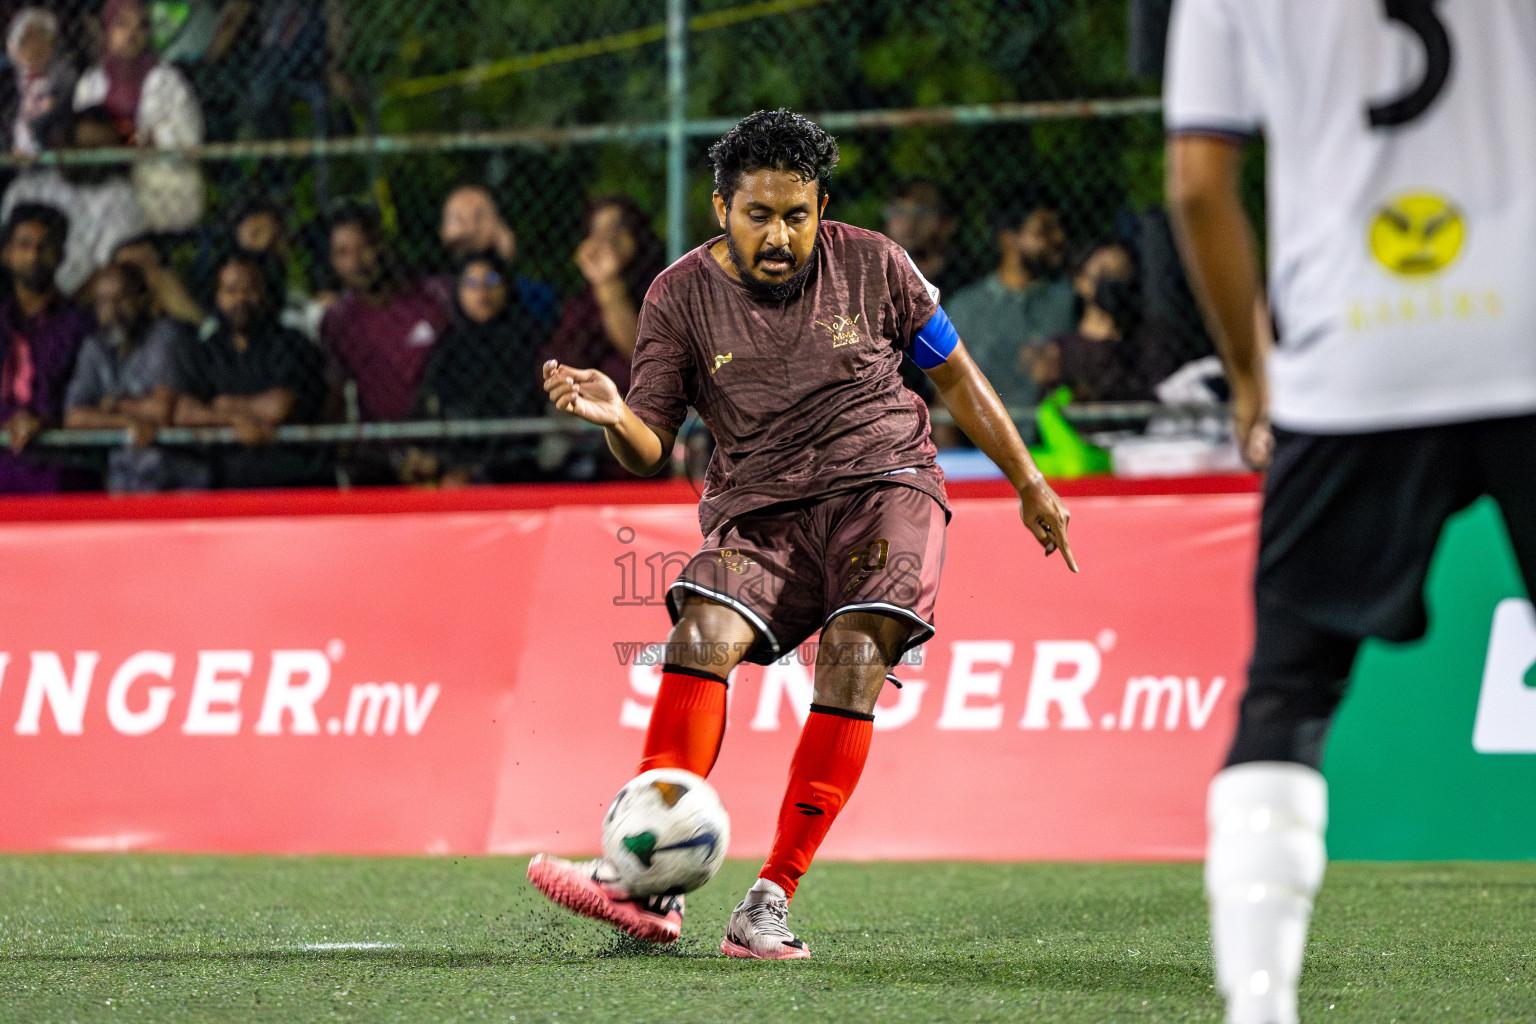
165, 938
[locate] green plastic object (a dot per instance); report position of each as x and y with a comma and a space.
1062, 453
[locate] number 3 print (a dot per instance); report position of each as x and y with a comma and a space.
1420, 18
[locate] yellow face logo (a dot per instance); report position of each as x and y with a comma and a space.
1417, 233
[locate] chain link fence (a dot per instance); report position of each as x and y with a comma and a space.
194, 129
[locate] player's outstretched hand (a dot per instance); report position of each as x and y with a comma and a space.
586, 393
1046, 517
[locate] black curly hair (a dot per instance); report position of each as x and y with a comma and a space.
54, 222
776, 140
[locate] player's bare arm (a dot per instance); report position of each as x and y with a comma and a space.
979, 412
1216, 240
591, 395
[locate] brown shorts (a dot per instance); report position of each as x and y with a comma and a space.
792, 567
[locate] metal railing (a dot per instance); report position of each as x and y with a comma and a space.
1082, 415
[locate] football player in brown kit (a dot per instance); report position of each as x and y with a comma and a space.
823, 507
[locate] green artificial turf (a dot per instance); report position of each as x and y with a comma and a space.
166, 938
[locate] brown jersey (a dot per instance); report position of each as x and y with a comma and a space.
804, 398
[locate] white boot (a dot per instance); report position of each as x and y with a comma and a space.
758, 930
1263, 867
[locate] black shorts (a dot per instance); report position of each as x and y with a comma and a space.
1351, 520
791, 568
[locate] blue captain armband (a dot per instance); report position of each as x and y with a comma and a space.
935, 341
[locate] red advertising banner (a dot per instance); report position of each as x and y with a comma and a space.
473, 681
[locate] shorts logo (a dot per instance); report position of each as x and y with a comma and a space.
845, 331
736, 561
1417, 233
865, 562
719, 362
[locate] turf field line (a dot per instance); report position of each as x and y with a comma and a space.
321, 946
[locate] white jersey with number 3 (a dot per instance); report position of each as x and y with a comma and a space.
1401, 154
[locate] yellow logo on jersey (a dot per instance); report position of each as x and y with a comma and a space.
719, 362
845, 331
1417, 233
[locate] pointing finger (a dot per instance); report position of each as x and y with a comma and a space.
1066, 552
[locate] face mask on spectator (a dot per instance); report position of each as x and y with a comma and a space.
1120, 297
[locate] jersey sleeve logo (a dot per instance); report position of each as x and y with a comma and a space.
1417, 233
845, 330
719, 362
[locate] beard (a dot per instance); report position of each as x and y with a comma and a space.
36, 278
128, 335
247, 320
1042, 265
778, 292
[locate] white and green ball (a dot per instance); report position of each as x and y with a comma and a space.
666, 832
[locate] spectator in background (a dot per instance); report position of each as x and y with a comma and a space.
260, 228
154, 105
486, 366
168, 293
920, 219
472, 224
379, 333
40, 335
487, 362
253, 374
1024, 300
97, 199
1116, 354
619, 258
127, 378
43, 79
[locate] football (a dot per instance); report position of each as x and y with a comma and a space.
667, 832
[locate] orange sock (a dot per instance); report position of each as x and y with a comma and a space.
827, 764
687, 721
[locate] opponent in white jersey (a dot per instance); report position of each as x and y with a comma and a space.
1400, 376
1401, 214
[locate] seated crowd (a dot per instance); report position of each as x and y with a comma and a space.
105, 333
130, 346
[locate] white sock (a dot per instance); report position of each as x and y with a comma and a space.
1263, 867
772, 888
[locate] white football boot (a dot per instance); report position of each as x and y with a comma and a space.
590, 888
758, 931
